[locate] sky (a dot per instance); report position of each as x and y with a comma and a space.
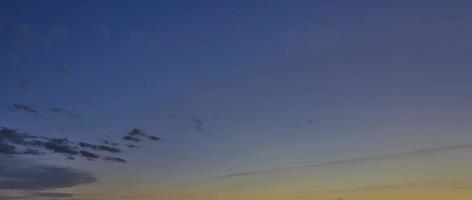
229, 100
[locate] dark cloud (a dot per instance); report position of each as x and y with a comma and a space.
99, 147
136, 135
110, 143
113, 159
14, 143
27, 176
7, 149
62, 146
29, 151
198, 122
155, 138
89, 155
358, 160
22, 107
54, 195
172, 116
131, 146
131, 138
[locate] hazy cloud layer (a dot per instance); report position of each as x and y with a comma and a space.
16, 174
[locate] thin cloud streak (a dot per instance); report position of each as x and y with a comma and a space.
412, 185
355, 160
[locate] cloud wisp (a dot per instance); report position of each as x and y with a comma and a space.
356, 160
65, 112
22, 108
410, 185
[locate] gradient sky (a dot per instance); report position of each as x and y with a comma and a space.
329, 100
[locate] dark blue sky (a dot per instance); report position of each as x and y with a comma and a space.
275, 83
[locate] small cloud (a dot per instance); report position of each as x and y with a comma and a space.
110, 143
155, 138
131, 146
22, 107
198, 122
135, 135
113, 159
99, 147
131, 138
171, 116
62, 69
66, 112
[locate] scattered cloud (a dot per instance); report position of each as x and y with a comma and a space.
13, 143
136, 135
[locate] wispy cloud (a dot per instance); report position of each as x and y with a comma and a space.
137, 135
356, 160
65, 112
22, 107
411, 185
